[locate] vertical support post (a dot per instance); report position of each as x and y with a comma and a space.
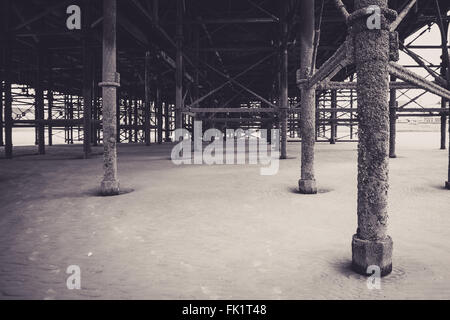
445, 73
50, 99
87, 79
443, 120
39, 100
71, 118
110, 183
118, 101
95, 95
167, 120
129, 107
136, 120
7, 60
147, 80
351, 112
371, 245
447, 183
333, 116
284, 96
159, 111
307, 182
392, 119
317, 125
1, 95
179, 67
195, 90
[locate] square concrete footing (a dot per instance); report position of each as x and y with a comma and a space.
307, 186
110, 188
367, 253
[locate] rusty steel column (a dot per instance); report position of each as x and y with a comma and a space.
95, 101
447, 183
39, 100
443, 123
110, 183
50, 98
195, 90
1, 95
159, 111
167, 121
284, 96
445, 72
87, 80
7, 60
307, 182
371, 246
118, 101
147, 102
179, 67
392, 120
333, 116
135, 119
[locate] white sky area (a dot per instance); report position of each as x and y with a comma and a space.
431, 56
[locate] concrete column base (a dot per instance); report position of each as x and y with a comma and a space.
110, 188
307, 186
392, 156
367, 252
447, 185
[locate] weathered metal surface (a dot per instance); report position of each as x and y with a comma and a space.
110, 183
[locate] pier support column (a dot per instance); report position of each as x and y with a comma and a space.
7, 60
39, 100
371, 245
284, 96
179, 67
167, 121
392, 120
87, 80
333, 116
159, 113
445, 74
307, 182
1, 96
50, 98
110, 183
447, 183
147, 102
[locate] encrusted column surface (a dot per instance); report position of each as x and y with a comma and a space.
371, 245
110, 183
307, 182
392, 120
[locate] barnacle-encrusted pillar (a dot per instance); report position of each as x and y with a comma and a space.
110, 183
307, 182
392, 120
371, 245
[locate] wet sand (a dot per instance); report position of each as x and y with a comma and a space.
216, 232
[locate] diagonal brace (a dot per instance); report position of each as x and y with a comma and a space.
339, 60
411, 77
